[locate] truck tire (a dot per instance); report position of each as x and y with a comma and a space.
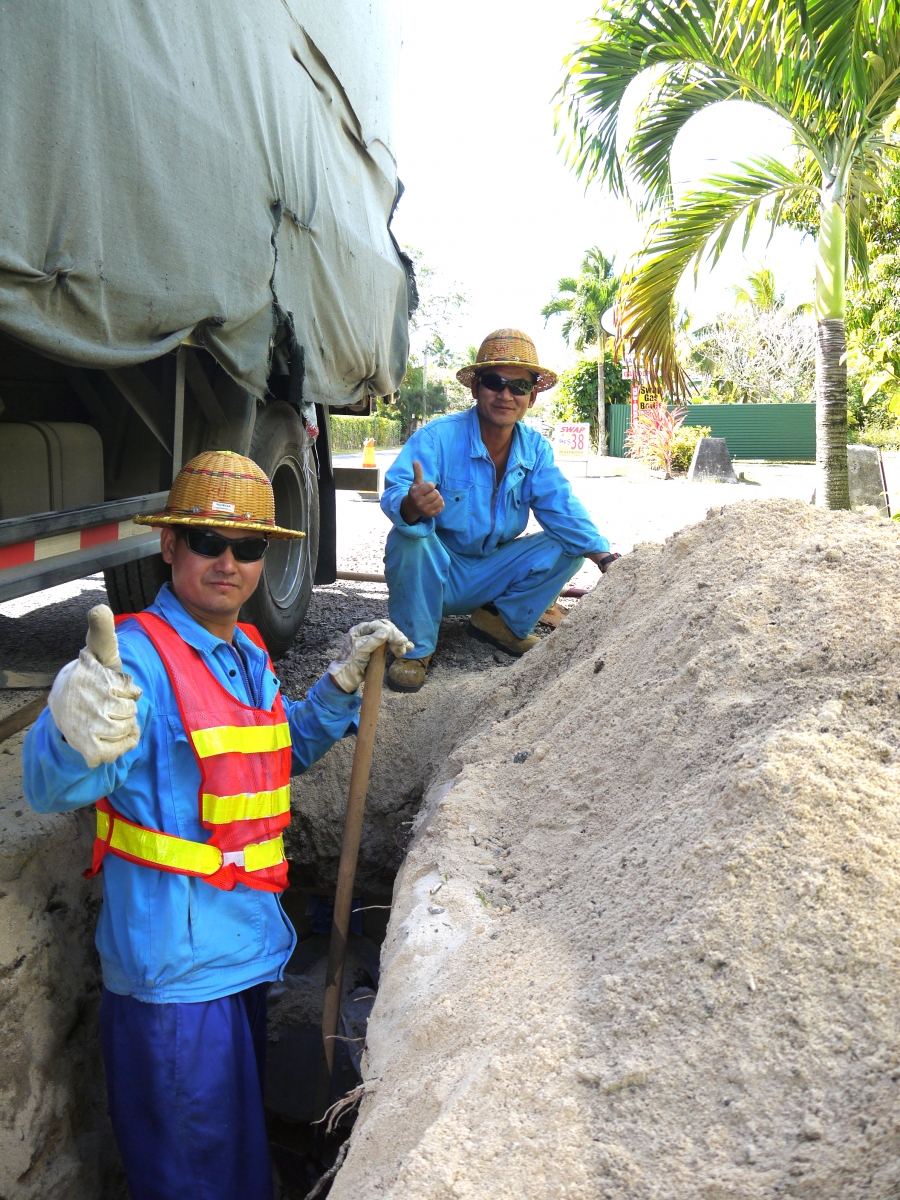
133, 585
280, 446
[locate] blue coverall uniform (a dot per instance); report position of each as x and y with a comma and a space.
471, 552
185, 965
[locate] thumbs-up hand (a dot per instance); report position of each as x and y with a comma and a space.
92, 702
101, 639
422, 500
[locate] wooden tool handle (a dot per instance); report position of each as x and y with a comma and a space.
356, 803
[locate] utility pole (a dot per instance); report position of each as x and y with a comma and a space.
601, 396
608, 328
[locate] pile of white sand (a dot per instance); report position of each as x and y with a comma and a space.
660, 955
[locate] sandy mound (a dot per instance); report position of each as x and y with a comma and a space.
646, 942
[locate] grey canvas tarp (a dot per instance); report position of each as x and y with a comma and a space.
169, 166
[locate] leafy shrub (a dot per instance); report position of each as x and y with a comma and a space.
576, 397
651, 437
885, 437
684, 442
349, 433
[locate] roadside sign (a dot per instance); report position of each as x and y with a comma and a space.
635, 401
573, 441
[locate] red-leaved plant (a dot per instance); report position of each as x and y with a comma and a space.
651, 436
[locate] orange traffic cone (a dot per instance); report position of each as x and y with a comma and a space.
369, 453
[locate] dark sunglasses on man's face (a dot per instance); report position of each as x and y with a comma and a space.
496, 383
213, 545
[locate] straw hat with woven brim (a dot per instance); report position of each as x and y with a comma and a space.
221, 490
508, 348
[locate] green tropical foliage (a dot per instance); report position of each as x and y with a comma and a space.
683, 445
829, 68
575, 399
761, 295
762, 351
349, 433
873, 310
582, 300
411, 405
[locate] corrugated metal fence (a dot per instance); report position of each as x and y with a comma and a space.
762, 431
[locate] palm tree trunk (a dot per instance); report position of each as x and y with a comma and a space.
832, 487
602, 448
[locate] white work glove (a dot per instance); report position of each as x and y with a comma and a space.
348, 670
92, 701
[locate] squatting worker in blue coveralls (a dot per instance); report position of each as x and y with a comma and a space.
459, 494
181, 730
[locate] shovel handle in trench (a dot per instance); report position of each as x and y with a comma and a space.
356, 803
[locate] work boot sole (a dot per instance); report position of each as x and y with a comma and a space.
480, 636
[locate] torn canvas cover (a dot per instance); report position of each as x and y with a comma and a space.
182, 166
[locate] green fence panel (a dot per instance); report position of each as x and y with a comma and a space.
617, 422
761, 431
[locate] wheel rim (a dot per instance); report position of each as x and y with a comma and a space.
287, 560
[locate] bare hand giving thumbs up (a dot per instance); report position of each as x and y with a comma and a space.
423, 500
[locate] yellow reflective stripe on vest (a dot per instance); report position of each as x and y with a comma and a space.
241, 739
164, 850
266, 854
247, 806
160, 849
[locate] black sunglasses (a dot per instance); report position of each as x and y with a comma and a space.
496, 383
210, 544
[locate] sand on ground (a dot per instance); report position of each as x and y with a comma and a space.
645, 941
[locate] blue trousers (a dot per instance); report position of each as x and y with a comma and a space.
426, 581
185, 1095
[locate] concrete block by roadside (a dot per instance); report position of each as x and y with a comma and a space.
711, 462
866, 478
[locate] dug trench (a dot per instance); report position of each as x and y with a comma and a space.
642, 940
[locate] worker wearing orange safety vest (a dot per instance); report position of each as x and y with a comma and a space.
175, 726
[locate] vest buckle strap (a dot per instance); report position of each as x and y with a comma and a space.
151, 848
256, 857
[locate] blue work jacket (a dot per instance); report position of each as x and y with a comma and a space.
479, 512
162, 937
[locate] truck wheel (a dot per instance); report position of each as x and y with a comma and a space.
280, 446
132, 586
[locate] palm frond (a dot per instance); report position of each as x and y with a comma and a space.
697, 227
559, 304
691, 53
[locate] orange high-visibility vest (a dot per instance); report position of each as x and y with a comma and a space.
244, 756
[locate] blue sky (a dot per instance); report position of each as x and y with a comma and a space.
489, 199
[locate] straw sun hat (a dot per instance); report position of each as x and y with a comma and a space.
508, 348
221, 490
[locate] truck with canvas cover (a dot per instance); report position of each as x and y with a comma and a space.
195, 253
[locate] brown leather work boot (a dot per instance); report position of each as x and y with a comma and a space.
490, 627
408, 674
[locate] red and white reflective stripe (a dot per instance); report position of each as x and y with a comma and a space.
65, 543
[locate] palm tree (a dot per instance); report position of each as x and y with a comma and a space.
584, 300
761, 293
829, 68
